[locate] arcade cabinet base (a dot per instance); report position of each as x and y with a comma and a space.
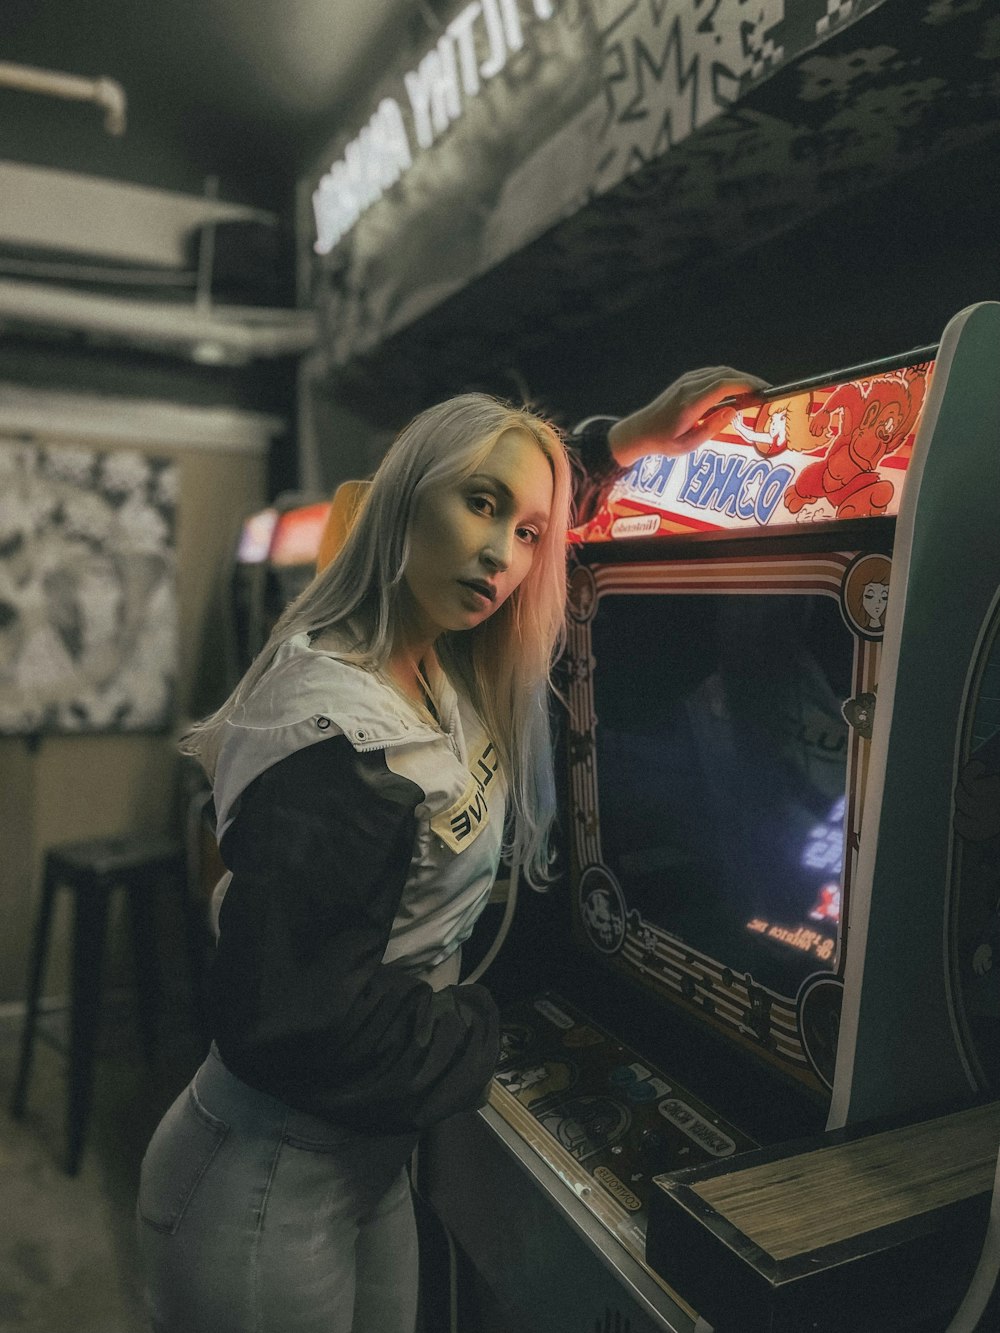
854, 1230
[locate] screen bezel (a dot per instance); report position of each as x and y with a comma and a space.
764, 570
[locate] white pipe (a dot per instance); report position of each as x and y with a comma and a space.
107, 93
237, 330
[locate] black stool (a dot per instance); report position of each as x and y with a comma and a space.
93, 870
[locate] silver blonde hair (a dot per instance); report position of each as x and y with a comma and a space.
504, 663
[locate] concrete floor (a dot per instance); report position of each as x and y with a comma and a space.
67, 1244
68, 1260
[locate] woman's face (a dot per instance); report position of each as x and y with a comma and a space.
874, 599
474, 540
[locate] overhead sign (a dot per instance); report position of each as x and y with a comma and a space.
517, 114
473, 49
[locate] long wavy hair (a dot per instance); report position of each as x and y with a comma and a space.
503, 664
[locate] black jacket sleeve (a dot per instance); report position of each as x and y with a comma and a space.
302, 1006
597, 467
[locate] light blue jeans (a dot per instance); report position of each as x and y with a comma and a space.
254, 1218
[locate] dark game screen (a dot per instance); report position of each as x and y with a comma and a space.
721, 758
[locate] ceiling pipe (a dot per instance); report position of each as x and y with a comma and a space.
107, 93
226, 334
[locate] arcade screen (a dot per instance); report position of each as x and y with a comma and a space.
721, 758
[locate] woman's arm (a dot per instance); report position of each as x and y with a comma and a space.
675, 422
682, 416
303, 1007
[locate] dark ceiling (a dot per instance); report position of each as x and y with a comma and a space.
242, 90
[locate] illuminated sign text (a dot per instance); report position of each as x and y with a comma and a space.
473, 49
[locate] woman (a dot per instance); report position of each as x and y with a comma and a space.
363, 772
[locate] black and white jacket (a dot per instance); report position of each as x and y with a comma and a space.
363, 842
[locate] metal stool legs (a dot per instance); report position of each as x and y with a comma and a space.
39, 949
90, 929
92, 871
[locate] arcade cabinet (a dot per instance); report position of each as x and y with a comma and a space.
291, 560
779, 915
246, 618
275, 560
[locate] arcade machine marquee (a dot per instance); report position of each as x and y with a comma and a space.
756, 632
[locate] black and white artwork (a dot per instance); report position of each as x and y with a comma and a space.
88, 616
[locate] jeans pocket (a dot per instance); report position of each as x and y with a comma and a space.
177, 1158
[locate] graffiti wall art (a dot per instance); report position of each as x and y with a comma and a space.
88, 620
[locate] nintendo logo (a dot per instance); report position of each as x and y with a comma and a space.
636, 525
